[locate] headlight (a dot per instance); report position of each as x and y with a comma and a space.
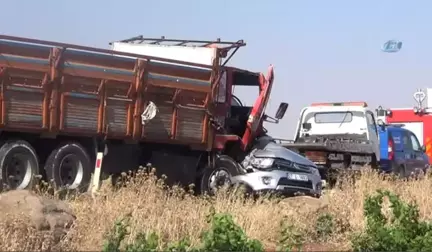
262, 163
315, 171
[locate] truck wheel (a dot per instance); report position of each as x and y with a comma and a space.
219, 176
19, 165
69, 166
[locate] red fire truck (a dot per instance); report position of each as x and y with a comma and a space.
417, 119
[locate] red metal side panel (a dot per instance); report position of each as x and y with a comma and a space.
79, 114
87, 91
23, 108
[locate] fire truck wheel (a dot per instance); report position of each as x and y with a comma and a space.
19, 165
69, 166
219, 176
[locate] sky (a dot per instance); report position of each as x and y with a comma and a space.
322, 51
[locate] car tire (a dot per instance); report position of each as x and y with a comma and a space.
399, 170
18, 159
214, 177
69, 166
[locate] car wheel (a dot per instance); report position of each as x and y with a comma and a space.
70, 167
400, 171
19, 165
220, 175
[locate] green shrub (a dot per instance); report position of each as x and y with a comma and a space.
290, 238
324, 226
402, 231
116, 235
223, 235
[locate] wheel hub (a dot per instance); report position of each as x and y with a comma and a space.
219, 178
18, 171
71, 171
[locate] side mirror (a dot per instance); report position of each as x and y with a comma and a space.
423, 148
381, 123
307, 126
281, 110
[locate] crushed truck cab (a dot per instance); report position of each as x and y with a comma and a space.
337, 136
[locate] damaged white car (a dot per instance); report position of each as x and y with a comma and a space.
272, 168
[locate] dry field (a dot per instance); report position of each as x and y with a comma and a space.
174, 214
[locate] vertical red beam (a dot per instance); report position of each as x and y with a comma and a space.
2, 96
62, 114
52, 91
140, 66
210, 103
102, 106
46, 86
175, 100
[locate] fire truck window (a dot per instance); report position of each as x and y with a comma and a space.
414, 142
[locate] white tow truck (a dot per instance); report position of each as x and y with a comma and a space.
335, 136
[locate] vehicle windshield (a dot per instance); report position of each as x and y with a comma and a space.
235, 101
333, 122
333, 117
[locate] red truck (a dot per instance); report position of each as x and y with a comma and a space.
142, 102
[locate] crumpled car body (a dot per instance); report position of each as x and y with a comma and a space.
275, 169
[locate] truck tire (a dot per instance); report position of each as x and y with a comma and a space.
219, 176
70, 167
19, 165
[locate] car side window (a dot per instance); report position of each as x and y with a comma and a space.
397, 140
414, 142
406, 141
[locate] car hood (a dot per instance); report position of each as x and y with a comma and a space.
274, 150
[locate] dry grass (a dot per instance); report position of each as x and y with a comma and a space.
176, 214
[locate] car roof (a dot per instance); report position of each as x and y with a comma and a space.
396, 128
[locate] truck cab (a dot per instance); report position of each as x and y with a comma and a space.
337, 137
353, 120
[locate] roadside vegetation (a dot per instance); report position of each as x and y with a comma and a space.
373, 214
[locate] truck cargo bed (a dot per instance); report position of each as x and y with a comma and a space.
54, 88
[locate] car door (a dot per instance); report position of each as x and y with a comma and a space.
398, 147
419, 162
409, 153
